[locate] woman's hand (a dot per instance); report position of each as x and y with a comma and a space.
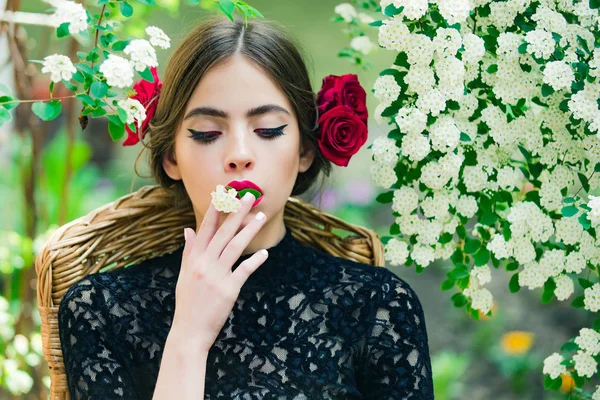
207, 288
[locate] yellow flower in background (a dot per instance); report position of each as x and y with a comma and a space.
568, 383
517, 342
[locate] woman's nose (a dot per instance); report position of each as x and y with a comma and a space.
238, 155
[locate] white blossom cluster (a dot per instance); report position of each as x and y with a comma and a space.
134, 109
513, 121
59, 67
225, 200
119, 71
67, 11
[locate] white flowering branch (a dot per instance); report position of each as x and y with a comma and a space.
494, 149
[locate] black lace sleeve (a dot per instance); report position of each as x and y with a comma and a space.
92, 366
396, 362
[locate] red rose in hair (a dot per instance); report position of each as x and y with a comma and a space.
343, 90
147, 94
342, 134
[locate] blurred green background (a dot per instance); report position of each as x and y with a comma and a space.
494, 358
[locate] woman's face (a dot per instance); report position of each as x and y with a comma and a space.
238, 125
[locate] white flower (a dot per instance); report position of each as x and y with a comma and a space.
386, 88
591, 298
69, 12
394, 34
481, 299
568, 230
585, 365
346, 11
553, 367
405, 200
482, 274
415, 146
541, 43
596, 395
225, 200
499, 247
467, 206
454, 11
385, 151
423, 255
558, 74
141, 53
575, 262
383, 175
365, 18
564, 287
444, 134
594, 215
117, 71
432, 101
396, 252
158, 37
134, 109
411, 120
412, 9
362, 44
588, 340
60, 67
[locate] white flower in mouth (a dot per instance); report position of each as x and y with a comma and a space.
225, 200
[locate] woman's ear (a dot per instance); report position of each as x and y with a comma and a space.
170, 166
307, 155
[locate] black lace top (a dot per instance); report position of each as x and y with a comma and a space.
306, 325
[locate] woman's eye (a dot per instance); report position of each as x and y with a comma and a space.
271, 133
209, 136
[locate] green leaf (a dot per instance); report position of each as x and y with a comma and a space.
513, 266
547, 90
492, 68
482, 257
459, 272
86, 99
584, 221
86, 69
10, 101
394, 229
488, 219
126, 9
254, 192
47, 111
147, 75
523, 48
391, 10
120, 45
569, 346
597, 324
514, 285
445, 238
447, 284
578, 302
584, 181
459, 300
63, 29
569, 211
376, 23
549, 287
594, 3
116, 131
464, 137
4, 115
472, 245
385, 198
585, 283
99, 89
122, 114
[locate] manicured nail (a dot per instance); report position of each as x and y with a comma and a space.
264, 252
186, 234
248, 197
260, 216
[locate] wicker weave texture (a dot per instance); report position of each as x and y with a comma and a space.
145, 224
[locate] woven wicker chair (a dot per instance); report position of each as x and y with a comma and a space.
145, 224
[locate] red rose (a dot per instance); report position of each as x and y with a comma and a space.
343, 90
147, 94
342, 134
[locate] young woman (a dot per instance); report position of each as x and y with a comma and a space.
221, 317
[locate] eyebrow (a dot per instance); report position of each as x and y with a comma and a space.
253, 112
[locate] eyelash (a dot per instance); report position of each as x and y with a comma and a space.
208, 137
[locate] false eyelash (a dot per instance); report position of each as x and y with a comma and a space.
207, 137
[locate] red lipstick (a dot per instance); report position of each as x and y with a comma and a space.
240, 185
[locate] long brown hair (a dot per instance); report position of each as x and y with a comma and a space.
214, 41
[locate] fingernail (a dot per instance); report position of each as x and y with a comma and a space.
260, 216
248, 196
264, 252
186, 234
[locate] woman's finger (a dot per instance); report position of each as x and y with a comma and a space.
247, 268
240, 242
229, 228
208, 227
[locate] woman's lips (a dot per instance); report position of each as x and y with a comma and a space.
240, 185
